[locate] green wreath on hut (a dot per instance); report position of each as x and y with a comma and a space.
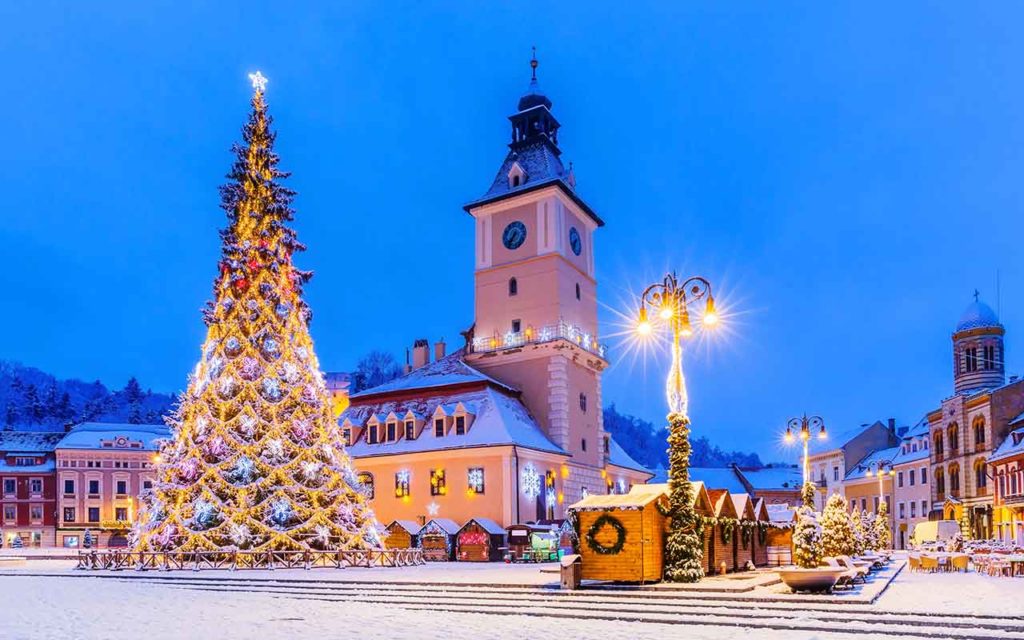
620, 535
726, 526
745, 534
762, 533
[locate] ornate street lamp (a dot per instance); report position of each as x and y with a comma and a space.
669, 301
879, 468
806, 428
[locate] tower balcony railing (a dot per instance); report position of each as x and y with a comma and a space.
549, 333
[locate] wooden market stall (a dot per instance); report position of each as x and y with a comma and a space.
520, 545
761, 533
779, 546
743, 536
481, 540
622, 536
401, 534
437, 538
566, 535
724, 530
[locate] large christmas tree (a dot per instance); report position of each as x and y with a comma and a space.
256, 460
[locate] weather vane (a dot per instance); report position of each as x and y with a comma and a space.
534, 63
259, 81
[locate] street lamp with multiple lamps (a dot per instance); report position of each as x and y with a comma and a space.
670, 301
805, 426
881, 472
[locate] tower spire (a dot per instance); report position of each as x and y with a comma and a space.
533, 65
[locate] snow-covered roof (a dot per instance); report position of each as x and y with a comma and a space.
31, 442
410, 526
1013, 445
767, 478
781, 513
500, 420
631, 500
836, 440
722, 504
883, 456
906, 447
444, 524
718, 478
744, 507
447, 371
92, 435
617, 456
488, 525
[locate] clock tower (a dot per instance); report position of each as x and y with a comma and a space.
536, 295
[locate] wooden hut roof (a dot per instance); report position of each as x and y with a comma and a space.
631, 500
781, 515
444, 524
724, 508
410, 527
761, 510
488, 525
744, 507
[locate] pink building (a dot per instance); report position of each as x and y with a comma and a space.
101, 471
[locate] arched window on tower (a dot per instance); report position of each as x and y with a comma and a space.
979, 432
954, 480
513, 286
940, 484
938, 448
988, 353
953, 435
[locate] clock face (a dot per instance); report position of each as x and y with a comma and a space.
574, 241
514, 235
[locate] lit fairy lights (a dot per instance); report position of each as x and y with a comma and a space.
531, 481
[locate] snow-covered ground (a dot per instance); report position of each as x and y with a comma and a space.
44, 599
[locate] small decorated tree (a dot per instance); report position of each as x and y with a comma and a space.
807, 494
807, 539
837, 537
17, 543
87, 540
870, 533
859, 540
883, 537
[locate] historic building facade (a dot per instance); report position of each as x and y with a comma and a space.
101, 470
509, 427
27, 494
970, 424
1007, 465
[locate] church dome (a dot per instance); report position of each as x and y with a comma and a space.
977, 315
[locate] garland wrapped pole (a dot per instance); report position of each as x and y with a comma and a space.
256, 460
670, 300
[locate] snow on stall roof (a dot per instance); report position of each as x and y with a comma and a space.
30, 442
661, 489
447, 371
631, 500
444, 524
500, 420
91, 435
781, 513
787, 477
741, 501
617, 456
488, 525
718, 478
410, 526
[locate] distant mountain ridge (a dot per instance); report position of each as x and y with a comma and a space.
33, 400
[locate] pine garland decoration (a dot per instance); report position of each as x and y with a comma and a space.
684, 549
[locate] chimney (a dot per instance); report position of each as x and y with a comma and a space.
420, 353
407, 369
892, 425
438, 349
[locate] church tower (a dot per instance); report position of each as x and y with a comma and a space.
536, 294
978, 349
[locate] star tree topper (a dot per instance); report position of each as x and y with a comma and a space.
259, 81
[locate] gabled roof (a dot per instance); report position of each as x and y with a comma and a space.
488, 525
1008, 447
743, 505
448, 371
410, 526
617, 456
836, 440
724, 507
781, 514
443, 524
767, 478
91, 435
29, 441
631, 500
883, 456
500, 420
761, 510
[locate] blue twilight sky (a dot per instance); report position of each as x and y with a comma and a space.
846, 176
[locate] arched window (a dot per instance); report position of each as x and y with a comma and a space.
979, 431
938, 443
513, 286
954, 480
980, 477
366, 479
1013, 484
940, 484
953, 434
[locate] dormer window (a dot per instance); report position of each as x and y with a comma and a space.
346, 435
371, 434
438, 427
392, 432
410, 429
460, 425
516, 176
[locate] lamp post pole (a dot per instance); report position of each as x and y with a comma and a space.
804, 426
670, 300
